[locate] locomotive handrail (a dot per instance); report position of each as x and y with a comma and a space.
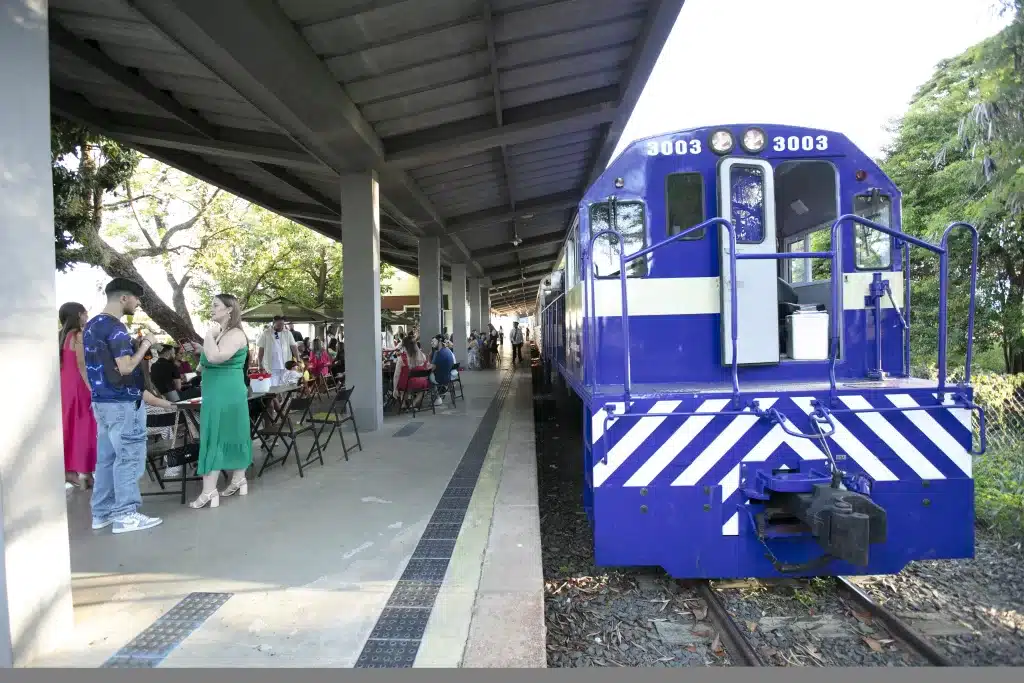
837, 283
623, 260
944, 303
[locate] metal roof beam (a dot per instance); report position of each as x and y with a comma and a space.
527, 209
661, 18
556, 117
245, 43
542, 263
152, 131
513, 281
545, 240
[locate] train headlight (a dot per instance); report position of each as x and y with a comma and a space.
722, 142
753, 140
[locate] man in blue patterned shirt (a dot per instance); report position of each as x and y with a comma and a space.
114, 371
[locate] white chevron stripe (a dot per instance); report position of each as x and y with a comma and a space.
732, 525
963, 415
597, 420
867, 460
934, 431
717, 449
675, 444
763, 450
884, 430
632, 440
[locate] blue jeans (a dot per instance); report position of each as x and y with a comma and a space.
120, 458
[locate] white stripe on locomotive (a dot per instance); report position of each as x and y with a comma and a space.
632, 440
942, 439
722, 444
702, 295
891, 437
675, 444
852, 446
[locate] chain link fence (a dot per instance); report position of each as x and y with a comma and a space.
999, 473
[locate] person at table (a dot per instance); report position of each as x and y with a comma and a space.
224, 439
412, 358
319, 360
166, 377
442, 362
184, 367
75, 398
276, 347
112, 366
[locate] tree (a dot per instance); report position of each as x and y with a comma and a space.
934, 160
85, 167
112, 208
267, 256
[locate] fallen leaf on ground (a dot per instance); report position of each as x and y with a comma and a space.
716, 645
873, 644
751, 626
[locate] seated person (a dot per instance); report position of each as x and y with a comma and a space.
442, 362
292, 375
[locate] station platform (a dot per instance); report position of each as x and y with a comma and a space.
422, 550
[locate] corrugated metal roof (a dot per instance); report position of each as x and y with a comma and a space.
485, 119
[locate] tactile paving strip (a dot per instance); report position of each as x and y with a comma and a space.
401, 623
395, 639
448, 517
434, 549
443, 531
153, 645
414, 594
432, 570
388, 654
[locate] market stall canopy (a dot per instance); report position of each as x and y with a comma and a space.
293, 312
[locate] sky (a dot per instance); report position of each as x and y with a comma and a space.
850, 66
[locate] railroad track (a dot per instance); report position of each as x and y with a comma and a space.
743, 653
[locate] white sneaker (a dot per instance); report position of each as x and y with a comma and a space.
135, 521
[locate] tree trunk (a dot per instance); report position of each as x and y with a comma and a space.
163, 315
115, 264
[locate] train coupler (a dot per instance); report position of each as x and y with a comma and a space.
844, 523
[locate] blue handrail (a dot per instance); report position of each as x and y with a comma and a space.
837, 283
944, 303
624, 312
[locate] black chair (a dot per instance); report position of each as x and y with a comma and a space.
338, 413
287, 431
414, 393
160, 456
458, 380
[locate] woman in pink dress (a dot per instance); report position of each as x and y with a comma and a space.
76, 399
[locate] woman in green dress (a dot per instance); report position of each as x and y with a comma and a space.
224, 439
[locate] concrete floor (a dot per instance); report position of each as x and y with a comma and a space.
312, 561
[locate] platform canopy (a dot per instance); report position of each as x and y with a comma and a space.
291, 311
484, 119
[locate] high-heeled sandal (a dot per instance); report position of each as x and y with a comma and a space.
204, 499
241, 488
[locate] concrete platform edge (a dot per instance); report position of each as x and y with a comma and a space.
508, 627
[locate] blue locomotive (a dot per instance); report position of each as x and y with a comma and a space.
732, 309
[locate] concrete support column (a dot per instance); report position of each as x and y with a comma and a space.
35, 559
473, 285
431, 313
457, 299
485, 302
360, 210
